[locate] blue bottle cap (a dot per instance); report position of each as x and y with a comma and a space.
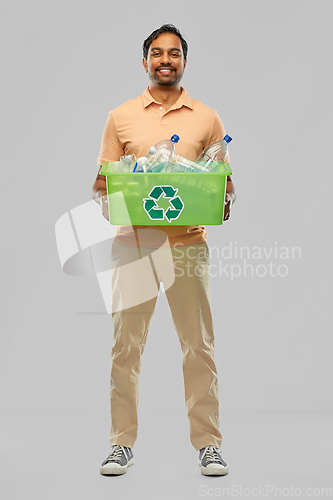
175, 138
227, 138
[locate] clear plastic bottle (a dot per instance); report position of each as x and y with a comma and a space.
213, 153
160, 155
127, 163
141, 164
184, 164
151, 155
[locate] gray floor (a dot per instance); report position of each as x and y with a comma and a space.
271, 454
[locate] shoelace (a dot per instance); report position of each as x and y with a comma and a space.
116, 453
211, 454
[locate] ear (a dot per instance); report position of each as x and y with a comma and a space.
185, 61
144, 63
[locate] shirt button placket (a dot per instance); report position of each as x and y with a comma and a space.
163, 117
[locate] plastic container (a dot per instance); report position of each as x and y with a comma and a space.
166, 198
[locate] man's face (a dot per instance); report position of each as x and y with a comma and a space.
165, 61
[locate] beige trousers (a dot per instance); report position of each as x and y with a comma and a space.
137, 273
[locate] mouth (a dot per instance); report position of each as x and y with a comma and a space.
165, 71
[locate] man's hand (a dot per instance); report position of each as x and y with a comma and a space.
230, 197
227, 206
105, 206
99, 193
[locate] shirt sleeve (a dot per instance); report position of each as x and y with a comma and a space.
111, 148
218, 132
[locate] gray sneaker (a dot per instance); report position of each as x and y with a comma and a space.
211, 461
117, 462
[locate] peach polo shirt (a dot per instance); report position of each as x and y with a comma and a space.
140, 123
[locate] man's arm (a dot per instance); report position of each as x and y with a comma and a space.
111, 150
218, 132
230, 189
230, 197
99, 192
99, 187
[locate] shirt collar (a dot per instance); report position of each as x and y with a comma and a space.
183, 100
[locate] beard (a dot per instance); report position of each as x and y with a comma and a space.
164, 82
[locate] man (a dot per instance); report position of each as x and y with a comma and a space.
164, 108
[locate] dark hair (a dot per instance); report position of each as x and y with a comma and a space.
166, 28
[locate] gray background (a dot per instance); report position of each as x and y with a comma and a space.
267, 69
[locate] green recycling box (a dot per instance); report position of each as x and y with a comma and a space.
182, 199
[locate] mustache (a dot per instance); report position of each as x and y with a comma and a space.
166, 67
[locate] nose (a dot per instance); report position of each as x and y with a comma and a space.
165, 58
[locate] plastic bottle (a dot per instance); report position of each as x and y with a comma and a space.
127, 163
151, 155
184, 164
141, 164
160, 159
213, 153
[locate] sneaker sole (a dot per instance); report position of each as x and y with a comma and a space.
115, 469
213, 470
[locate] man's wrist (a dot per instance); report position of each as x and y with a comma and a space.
99, 195
232, 195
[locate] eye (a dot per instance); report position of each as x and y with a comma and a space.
175, 54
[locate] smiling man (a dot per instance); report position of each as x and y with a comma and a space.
164, 109
165, 64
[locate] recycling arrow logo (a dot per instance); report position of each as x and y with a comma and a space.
154, 212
